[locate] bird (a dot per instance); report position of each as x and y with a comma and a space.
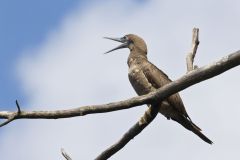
145, 77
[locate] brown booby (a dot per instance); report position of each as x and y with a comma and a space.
146, 77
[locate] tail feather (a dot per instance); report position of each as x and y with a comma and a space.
192, 127
198, 128
202, 136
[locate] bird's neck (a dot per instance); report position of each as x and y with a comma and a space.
136, 57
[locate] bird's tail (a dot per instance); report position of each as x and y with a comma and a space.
192, 127
201, 135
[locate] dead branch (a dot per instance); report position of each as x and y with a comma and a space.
12, 116
191, 55
145, 120
193, 77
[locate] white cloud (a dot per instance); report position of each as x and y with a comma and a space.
69, 70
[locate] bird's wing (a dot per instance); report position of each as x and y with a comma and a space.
158, 79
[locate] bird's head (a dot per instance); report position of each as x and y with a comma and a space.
135, 43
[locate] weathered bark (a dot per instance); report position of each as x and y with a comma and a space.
182, 83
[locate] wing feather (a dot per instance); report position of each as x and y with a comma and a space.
158, 79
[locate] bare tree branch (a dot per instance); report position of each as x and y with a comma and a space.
12, 116
185, 81
79, 111
145, 120
191, 55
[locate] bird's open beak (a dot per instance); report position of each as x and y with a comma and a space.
122, 40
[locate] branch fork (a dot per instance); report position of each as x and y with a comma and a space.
12, 116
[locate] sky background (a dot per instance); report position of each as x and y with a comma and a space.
52, 58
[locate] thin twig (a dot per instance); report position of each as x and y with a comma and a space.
191, 55
65, 154
12, 116
18, 107
185, 81
145, 120
10, 119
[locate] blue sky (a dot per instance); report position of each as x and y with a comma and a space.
24, 24
52, 58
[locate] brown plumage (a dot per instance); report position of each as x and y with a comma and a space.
146, 77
